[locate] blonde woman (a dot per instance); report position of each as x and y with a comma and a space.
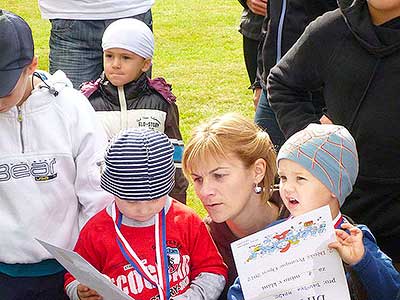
231, 163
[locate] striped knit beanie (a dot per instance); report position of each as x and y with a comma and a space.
139, 165
329, 153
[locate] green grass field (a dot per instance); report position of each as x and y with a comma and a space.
198, 50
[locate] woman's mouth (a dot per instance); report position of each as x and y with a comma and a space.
213, 205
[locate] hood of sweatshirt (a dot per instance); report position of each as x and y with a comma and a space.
380, 40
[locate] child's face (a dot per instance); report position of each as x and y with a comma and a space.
301, 191
141, 211
16, 96
122, 66
225, 187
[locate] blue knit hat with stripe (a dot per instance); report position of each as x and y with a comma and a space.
328, 152
139, 165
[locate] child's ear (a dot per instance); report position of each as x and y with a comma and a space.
146, 64
260, 167
32, 66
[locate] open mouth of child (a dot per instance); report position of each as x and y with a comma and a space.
293, 202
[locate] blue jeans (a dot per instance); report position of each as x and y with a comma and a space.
75, 47
265, 118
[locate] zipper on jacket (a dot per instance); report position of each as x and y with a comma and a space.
19, 118
280, 32
123, 107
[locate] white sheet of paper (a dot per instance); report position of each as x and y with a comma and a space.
85, 273
292, 261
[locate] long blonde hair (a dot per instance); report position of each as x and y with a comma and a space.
231, 134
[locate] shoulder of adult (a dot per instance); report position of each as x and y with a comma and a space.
328, 27
220, 232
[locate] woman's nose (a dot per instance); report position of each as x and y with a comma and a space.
206, 190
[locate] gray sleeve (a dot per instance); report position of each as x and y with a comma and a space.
206, 286
72, 290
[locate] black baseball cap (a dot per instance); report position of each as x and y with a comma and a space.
16, 50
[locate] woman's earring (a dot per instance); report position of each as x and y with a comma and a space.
257, 189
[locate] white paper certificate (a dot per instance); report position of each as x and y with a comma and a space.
85, 273
292, 261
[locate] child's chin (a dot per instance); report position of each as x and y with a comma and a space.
118, 83
296, 211
141, 218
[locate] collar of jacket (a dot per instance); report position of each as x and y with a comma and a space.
358, 20
132, 90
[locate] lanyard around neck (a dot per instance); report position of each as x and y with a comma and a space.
130, 255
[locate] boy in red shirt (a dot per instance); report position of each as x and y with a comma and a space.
148, 244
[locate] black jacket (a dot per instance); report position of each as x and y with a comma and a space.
149, 103
294, 16
250, 23
357, 65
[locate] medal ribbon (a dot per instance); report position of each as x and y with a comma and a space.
161, 252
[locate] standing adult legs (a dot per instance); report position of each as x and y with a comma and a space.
75, 47
266, 119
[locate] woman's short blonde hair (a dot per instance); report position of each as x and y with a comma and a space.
231, 134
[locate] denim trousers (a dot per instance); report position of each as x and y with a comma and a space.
75, 47
266, 119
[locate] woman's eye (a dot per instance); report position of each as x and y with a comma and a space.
197, 179
282, 178
219, 176
126, 57
300, 178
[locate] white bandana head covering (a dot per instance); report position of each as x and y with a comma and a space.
129, 34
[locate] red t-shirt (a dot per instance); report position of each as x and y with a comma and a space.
190, 251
